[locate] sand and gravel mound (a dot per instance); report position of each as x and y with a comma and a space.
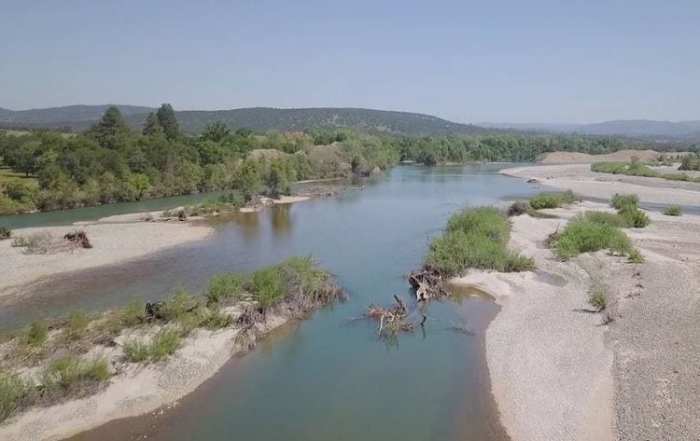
621, 156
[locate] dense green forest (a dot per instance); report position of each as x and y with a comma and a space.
111, 162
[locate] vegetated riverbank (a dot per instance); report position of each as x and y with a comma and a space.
593, 347
75, 375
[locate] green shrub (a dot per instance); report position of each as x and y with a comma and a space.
603, 218
636, 168
676, 177
483, 221
609, 167
475, 238
194, 318
597, 298
14, 393
233, 198
635, 256
620, 201
639, 169
634, 217
582, 236
163, 345
136, 351
132, 314
302, 276
5, 233
267, 287
177, 306
517, 208
216, 320
225, 286
516, 263
552, 200
628, 210
673, 210
37, 333
78, 322
70, 374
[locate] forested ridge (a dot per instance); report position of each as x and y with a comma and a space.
193, 122
112, 162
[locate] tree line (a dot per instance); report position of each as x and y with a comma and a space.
111, 162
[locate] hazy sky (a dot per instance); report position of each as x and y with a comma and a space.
516, 61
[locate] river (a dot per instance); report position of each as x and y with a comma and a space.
327, 378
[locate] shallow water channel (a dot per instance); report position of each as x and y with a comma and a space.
327, 378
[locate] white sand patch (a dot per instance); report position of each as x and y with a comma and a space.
112, 243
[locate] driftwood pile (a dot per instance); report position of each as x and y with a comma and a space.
78, 238
428, 283
394, 319
153, 311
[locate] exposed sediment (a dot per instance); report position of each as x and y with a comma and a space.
561, 371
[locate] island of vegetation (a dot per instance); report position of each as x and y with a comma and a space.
89, 368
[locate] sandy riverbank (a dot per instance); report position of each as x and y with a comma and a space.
557, 371
115, 240
551, 372
581, 180
136, 389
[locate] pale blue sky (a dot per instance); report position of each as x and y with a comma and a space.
515, 61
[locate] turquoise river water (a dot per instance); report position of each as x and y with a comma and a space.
329, 377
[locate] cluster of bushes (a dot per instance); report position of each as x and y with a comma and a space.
673, 210
594, 231
552, 200
627, 207
636, 168
476, 238
160, 347
63, 378
297, 281
585, 234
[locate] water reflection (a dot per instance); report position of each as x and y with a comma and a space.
281, 218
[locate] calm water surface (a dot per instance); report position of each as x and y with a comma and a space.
327, 378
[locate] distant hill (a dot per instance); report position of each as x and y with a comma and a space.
631, 128
644, 128
256, 118
76, 117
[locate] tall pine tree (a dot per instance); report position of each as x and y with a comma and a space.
152, 126
168, 121
111, 129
